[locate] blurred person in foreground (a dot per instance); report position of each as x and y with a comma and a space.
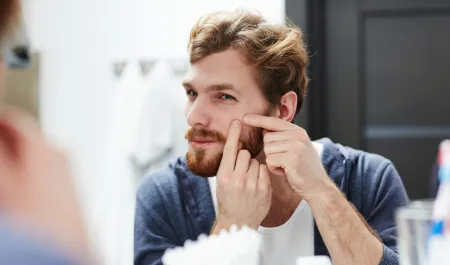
249, 164
40, 219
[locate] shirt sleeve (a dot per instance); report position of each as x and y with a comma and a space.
386, 194
152, 235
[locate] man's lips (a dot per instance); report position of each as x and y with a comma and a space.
198, 143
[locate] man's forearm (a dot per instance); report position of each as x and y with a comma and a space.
348, 238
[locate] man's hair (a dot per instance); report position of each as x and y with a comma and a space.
277, 51
9, 14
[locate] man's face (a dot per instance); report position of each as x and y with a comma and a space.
2, 77
220, 88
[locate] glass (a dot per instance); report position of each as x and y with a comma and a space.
413, 229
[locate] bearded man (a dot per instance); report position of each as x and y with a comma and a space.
248, 164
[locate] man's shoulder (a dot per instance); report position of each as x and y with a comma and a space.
371, 173
20, 246
366, 162
162, 184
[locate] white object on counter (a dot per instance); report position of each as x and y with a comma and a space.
237, 247
313, 260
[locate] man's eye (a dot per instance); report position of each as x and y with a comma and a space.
191, 93
226, 97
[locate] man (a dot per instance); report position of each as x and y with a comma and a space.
248, 164
40, 220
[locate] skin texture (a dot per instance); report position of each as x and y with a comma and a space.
246, 196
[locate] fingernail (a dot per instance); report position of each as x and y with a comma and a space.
246, 118
236, 123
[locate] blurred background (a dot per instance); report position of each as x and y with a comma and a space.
104, 82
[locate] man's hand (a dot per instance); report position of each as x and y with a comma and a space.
289, 152
244, 191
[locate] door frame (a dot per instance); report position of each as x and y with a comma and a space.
310, 16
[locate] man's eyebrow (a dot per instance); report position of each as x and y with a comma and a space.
214, 87
187, 84
221, 87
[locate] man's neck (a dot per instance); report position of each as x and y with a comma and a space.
281, 210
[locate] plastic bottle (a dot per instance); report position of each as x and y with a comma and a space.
439, 241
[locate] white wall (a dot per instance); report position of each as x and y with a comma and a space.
78, 41
163, 30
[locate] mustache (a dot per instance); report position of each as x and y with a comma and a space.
192, 133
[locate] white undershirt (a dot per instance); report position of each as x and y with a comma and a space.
283, 244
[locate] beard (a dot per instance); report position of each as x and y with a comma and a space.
201, 165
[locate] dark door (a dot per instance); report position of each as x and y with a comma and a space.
386, 80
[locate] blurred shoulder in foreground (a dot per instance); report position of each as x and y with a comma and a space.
20, 249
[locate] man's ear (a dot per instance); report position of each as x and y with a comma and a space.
287, 106
15, 142
9, 141
11, 156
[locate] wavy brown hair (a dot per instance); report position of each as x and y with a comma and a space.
277, 51
9, 14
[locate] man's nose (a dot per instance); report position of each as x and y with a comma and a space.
198, 113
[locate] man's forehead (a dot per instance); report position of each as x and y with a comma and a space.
207, 79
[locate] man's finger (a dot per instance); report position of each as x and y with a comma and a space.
277, 147
280, 136
252, 174
264, 179
243, 161
231, 147
269, 123
275, 163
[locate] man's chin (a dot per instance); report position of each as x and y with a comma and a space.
203, 166
202, 172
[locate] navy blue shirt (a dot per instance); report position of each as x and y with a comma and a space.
174, 205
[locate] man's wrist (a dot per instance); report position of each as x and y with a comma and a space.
225, 224
216, 228
322, 191
219, 226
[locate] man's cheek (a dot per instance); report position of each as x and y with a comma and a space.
2, 78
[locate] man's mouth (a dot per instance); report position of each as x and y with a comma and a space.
201, 143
